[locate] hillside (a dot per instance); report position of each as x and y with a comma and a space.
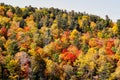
53, 44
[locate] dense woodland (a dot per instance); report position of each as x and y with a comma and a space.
54, 44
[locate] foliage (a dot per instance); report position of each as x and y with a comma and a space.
54, 44
13, 47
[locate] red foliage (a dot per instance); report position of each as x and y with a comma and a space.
70, 54
64, 50
3, 31
109, 51
109, 45
66, 34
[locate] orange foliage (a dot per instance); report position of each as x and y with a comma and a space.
92, 42
109, 45
27, 28
70, 54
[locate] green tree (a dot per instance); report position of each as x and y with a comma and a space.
22, 23
25, 14
18, 11
13, 48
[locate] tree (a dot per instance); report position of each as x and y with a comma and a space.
24, 61
86, 26
39, 24
31, 9
22, 23
107, 21
100, 25
25, 14
18, 11
12, 47
118, 24
38, 66
14, 68
93, 18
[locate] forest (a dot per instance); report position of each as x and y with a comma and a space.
55, 44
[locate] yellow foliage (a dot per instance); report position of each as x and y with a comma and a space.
14, 77
115, 29
64, 15
69, 20
7, 43
12, 65
13, 62
23, 9
30, 18
85, 18
54, 29
100, 34
4, 20
54, 25
73, 34
15, 18
102, 50
91, 51
64, 39
90, 54
32, 52
48, 49
3, 39
116, 74
80, 22
93, 25
33, 29
19, 30
30, 22
49, 64
2, 10
84, 38
92, 65
51, 15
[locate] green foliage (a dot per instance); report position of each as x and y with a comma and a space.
25, 14
13, 48
22, 23
18, 11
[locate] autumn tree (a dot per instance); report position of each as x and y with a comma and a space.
118, 24
38, 66
13, 47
